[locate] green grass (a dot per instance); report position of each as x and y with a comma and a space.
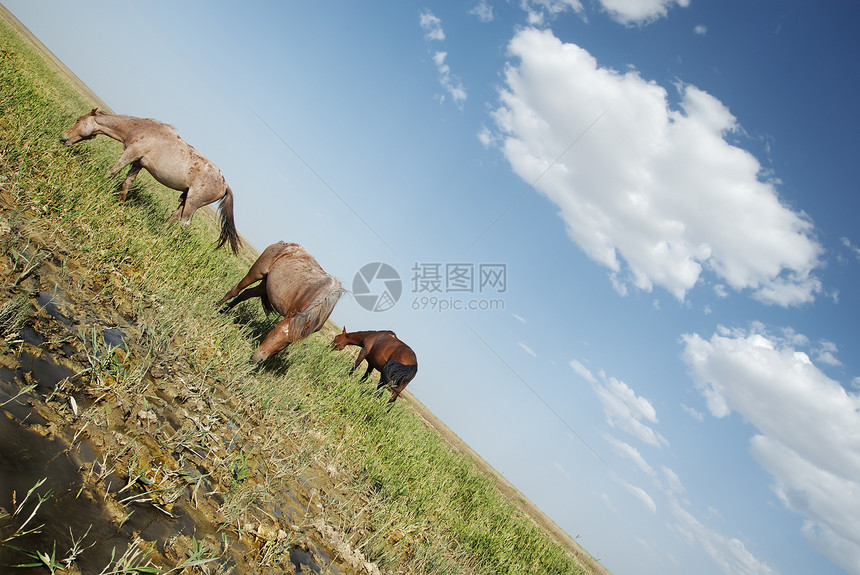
408, 501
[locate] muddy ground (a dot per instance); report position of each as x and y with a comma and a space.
131, 455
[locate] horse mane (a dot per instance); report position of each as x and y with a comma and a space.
134, 118
307, 322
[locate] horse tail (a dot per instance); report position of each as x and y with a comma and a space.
396, 374
307, 322
228, 225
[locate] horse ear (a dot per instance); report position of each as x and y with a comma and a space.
344, 330
93, 113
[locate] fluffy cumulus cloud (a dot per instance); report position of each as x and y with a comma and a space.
629, 12
808, 427
655, 194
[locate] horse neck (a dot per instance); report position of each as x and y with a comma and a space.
358, 337
116, 127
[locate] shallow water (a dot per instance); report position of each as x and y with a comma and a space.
26, 457
75, 508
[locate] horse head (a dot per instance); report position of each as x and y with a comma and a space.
339, 342
84, 129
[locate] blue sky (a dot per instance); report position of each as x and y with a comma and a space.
669, 371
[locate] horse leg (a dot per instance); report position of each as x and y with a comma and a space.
204, 190
129, 179
395, 393
257, 272
258, 290
251, 277
362, 354
128, 156
182, 211
383, 381
367, 372
275, 341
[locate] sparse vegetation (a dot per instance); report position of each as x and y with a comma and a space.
373, 486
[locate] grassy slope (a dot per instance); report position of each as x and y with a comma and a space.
416, 505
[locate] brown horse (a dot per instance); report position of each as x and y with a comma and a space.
293, 284
156, 147
395, 361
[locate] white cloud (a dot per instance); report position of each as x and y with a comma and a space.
729, 553
639, 11
538, 11
656, 195
641, 496
700, 30
674, 481
567, 474
826, 353
851, 247
626, 411
809, 426
526, 349
629, 452
433, 32
487, 139
432, 26
519, 318
693, 412
451, 84
583, 371
483, 11
829, 501
623, 409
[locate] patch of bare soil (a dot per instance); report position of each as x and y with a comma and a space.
143, 465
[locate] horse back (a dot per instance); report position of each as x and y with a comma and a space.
386, 347
297, 286
403, 354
